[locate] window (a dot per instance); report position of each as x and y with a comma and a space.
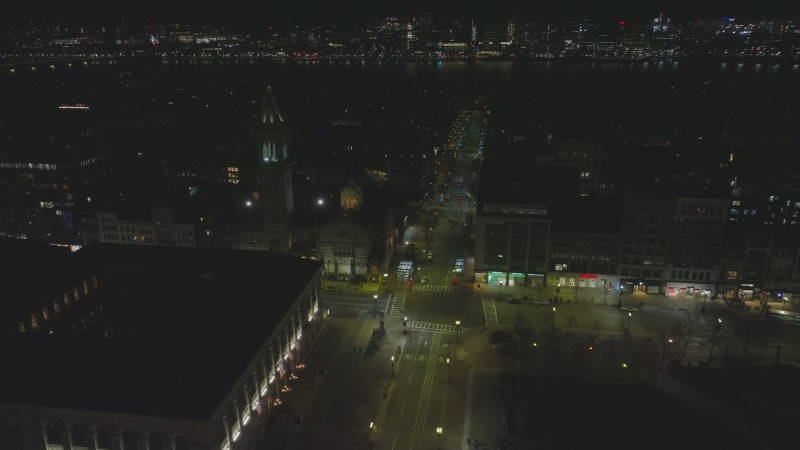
34, 322
56, 307
66, 299
45, 313
85, 288
77, 294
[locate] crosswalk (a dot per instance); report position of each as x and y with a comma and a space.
433, 288
437, 327
489, 313
398, 305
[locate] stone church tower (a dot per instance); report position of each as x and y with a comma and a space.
274, 174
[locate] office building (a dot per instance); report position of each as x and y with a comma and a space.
149, 347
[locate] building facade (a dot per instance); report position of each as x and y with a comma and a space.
584, 266
344, 248
100, 227
511, 244
227, 330
696, 246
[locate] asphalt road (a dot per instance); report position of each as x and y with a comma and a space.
406, 400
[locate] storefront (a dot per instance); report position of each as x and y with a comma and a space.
580, 280
641, 285
698, 290
510, 279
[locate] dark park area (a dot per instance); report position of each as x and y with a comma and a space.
573, 413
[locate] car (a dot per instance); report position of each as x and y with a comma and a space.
461, 198
423, 280
331, 288
629, 308
514, 300
541, 302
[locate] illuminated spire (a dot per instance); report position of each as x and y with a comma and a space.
270, 113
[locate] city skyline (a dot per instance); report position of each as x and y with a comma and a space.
247, 12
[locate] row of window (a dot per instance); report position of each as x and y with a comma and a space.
580, 256
52, 310
690, 275
704, 210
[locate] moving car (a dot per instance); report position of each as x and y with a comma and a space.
541, 302
629, 308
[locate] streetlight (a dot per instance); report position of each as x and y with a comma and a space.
458, 327
628, 329
664, 353
372, 430
439, 437
501, 282
554, 318
375, 298
405, 321
448, 370
392, 365
620, 296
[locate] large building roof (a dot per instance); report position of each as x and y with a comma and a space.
166, 332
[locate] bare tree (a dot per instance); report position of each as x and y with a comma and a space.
663, 341
747, 332
522, 327
715, 332
571, 319
686, 329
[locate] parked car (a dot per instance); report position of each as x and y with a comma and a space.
629, 308
541, 302
332, 288
514, 300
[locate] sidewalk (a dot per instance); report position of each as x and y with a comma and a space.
336, 409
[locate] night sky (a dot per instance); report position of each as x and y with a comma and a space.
249, 11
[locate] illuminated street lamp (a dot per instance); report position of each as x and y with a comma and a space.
372, 430
448, 370
554, 317
628, 328
439, 431
375, 298
405, 321
458, 328
664, 353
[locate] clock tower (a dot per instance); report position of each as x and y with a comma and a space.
274, 173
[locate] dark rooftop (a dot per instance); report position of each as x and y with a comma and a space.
166, 333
